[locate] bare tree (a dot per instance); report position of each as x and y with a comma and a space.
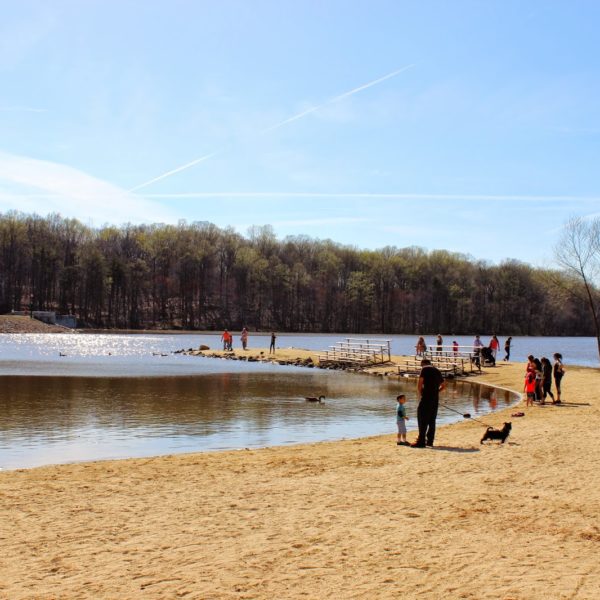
578, 253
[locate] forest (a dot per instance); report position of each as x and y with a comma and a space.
197, 276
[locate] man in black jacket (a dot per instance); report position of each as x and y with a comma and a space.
431, 383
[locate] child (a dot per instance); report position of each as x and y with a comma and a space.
530, 386
400, 420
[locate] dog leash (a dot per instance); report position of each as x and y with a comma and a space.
465, 415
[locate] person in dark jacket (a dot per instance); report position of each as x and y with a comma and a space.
431, 383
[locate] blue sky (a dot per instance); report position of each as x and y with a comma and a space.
471, 126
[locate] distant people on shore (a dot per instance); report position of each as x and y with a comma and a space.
538, 378
477, 346
529, 387
547, 380
244, 338
272, 345
494, 345
439, 342
455, 347
507, 344
227, 340
421, 346
558, 370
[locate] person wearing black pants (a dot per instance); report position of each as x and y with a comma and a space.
431, 383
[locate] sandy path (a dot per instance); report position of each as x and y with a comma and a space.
350, 519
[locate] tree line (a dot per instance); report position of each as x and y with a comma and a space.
200, 277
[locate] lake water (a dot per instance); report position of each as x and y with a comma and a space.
118, 396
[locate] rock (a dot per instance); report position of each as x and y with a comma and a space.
204, 347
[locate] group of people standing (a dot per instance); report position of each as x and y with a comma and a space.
538, 379
538, 385
478, 345
227, 340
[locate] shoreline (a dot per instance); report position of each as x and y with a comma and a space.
356, 518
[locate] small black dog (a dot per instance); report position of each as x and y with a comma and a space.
497, 434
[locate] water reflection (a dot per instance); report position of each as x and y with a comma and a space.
63, 419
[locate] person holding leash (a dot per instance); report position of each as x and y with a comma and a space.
431, 383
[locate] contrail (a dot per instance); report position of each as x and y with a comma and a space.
181, 168
337, 98
278, 125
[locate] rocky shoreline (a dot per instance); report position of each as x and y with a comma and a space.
19, 324
295, 357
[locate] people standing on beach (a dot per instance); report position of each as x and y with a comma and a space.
227, 340
507, 344
421, 346
529, 387
244, 338
538, 380
431, 383
494, 346
547, 380
559, 370
439, 343
401, 419
477, 346
455, 347
272, 346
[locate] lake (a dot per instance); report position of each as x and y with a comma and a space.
119, 396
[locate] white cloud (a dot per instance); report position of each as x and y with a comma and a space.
41, 186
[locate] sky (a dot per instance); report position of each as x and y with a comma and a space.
471, 126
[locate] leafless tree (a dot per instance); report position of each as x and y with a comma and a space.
578, 253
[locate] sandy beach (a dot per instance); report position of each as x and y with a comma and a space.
350, 519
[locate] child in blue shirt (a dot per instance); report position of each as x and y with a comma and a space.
400, 420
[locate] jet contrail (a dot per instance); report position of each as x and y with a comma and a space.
337, 98
173, 171
278, 125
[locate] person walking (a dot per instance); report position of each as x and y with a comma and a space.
421, 346
226, 339
272, 346
431, 383
507, 344
244, 338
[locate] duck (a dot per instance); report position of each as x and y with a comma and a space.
314, 398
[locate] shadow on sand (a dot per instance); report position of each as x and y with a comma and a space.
455, 449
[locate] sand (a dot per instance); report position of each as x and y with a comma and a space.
350, 519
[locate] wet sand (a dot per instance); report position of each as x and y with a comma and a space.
350, 519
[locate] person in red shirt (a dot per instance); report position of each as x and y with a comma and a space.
227, 339
494, 346
530, 385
